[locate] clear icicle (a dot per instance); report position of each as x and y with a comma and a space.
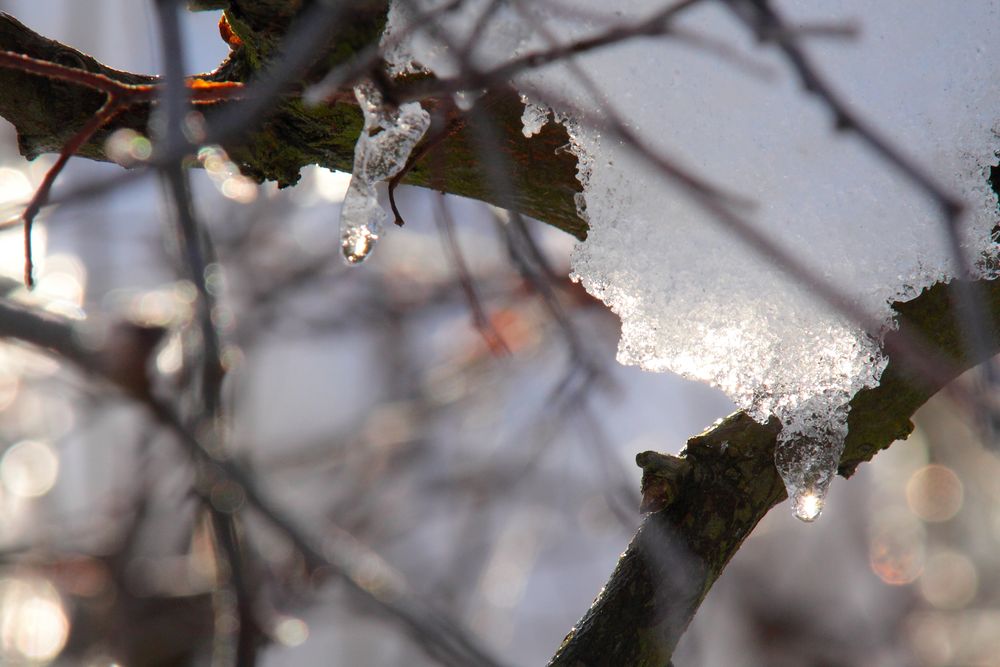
382, 150
808, 453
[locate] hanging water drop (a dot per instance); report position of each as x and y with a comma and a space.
807, 505
357, 245
361, 221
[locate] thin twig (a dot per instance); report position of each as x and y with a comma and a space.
498, 176
768, 25
494, 341
451, 125
369, 58
658, 24
119, 97
111, 107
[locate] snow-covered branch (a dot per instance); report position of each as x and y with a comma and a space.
708, 500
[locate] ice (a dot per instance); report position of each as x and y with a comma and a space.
808, 452
384, 146
534, 118
692, 297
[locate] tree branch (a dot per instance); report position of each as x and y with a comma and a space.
706, 501
47, 113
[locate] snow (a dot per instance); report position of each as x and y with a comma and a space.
382, 150
693, 298
534, 118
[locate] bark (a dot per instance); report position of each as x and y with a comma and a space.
702, 504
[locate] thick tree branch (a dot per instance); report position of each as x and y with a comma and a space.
710, 498
47, 113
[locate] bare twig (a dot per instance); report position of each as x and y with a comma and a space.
119, 96
449, 123
494, 341
342, 556
658, 24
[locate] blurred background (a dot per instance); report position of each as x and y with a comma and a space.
497, 480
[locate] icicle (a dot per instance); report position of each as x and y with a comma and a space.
808, 453
382, 150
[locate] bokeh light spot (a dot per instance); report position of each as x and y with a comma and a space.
897, 549
934, 493
291, 631
949, 581
33, 625
29, 469
127, 147
931, 639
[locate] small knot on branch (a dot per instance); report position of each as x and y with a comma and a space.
662, 477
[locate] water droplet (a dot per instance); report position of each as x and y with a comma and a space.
808, 451
807, 505
357, 244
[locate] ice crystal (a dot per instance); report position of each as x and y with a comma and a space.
534, 118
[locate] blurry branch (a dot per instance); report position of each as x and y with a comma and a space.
120, 354
658, 24
232, 646
481, 320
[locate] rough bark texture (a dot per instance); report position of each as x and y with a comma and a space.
705, 502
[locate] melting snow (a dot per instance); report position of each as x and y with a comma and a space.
694, 299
